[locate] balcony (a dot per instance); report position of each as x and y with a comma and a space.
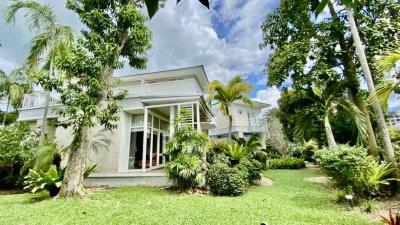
134, 88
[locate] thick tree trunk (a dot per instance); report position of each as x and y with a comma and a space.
5, 113
43, 129
354, 84
368, 79
329, 134
72, 184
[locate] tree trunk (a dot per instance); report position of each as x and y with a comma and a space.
368, 79
5, 113
354, 84
43, 129
230, 128
329, 134
72, 184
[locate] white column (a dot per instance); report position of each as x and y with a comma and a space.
151, 142
125, 134
171, 121
144, 139
198, 117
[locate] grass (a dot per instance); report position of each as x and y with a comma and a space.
289, 201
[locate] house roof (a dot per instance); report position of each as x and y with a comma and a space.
197, 71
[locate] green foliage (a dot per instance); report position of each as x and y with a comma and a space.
352, 169
252, 144
216, 148
392, 219
187, 150
308, 150
185, 170
50, 180
15, 150
287, 163
46, 155
39, 180
252, 168
224, 180
236, 152
153, 5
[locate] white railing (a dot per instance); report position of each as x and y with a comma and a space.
135, 89
246, 129
38, 99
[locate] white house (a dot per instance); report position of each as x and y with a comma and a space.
136, 155
246, 120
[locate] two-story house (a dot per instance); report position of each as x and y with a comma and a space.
138, 144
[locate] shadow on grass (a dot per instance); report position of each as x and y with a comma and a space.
37, 197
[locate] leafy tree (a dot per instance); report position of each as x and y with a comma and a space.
13, 87
236, 89
349, 5
50, 41
302, 44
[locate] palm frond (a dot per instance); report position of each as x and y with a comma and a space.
383, 92
40, 43
388, 62
303, 125
36, 15
356, 116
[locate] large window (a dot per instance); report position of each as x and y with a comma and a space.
157, 132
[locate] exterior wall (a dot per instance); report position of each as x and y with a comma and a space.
177, 87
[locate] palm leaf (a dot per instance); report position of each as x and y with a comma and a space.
356, 116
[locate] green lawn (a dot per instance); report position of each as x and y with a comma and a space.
289, 201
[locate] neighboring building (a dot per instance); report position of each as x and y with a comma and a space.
246, 121
138, 144
394, 119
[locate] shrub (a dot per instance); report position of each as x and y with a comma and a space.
261, 157
215, 149
351, 168
287, 163
308, 150
15, 149
252, 168
224, 180
185, 171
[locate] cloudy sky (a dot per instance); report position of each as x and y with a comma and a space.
225, 40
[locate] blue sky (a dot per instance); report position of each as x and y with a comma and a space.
225, 40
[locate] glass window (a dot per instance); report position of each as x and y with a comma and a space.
137, 120
136, 150
156, 123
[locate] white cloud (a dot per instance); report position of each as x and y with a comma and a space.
269, 96
183, 36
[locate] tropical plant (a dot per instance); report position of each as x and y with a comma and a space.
252, 144
252, 168
237, 152
349, 5
224, 180
186, 171
52, 39
50, 180
46, 155
12, 88
329, 100
392, 219
225, 95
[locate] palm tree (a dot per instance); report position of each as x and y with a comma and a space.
51, 40
12, 88
349, 4
225, 95
329, 101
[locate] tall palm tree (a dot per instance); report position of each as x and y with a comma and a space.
51, 40
349, 4
225, 95
12, 88
329, 101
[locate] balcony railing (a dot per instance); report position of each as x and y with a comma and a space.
38, 99
135, 89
